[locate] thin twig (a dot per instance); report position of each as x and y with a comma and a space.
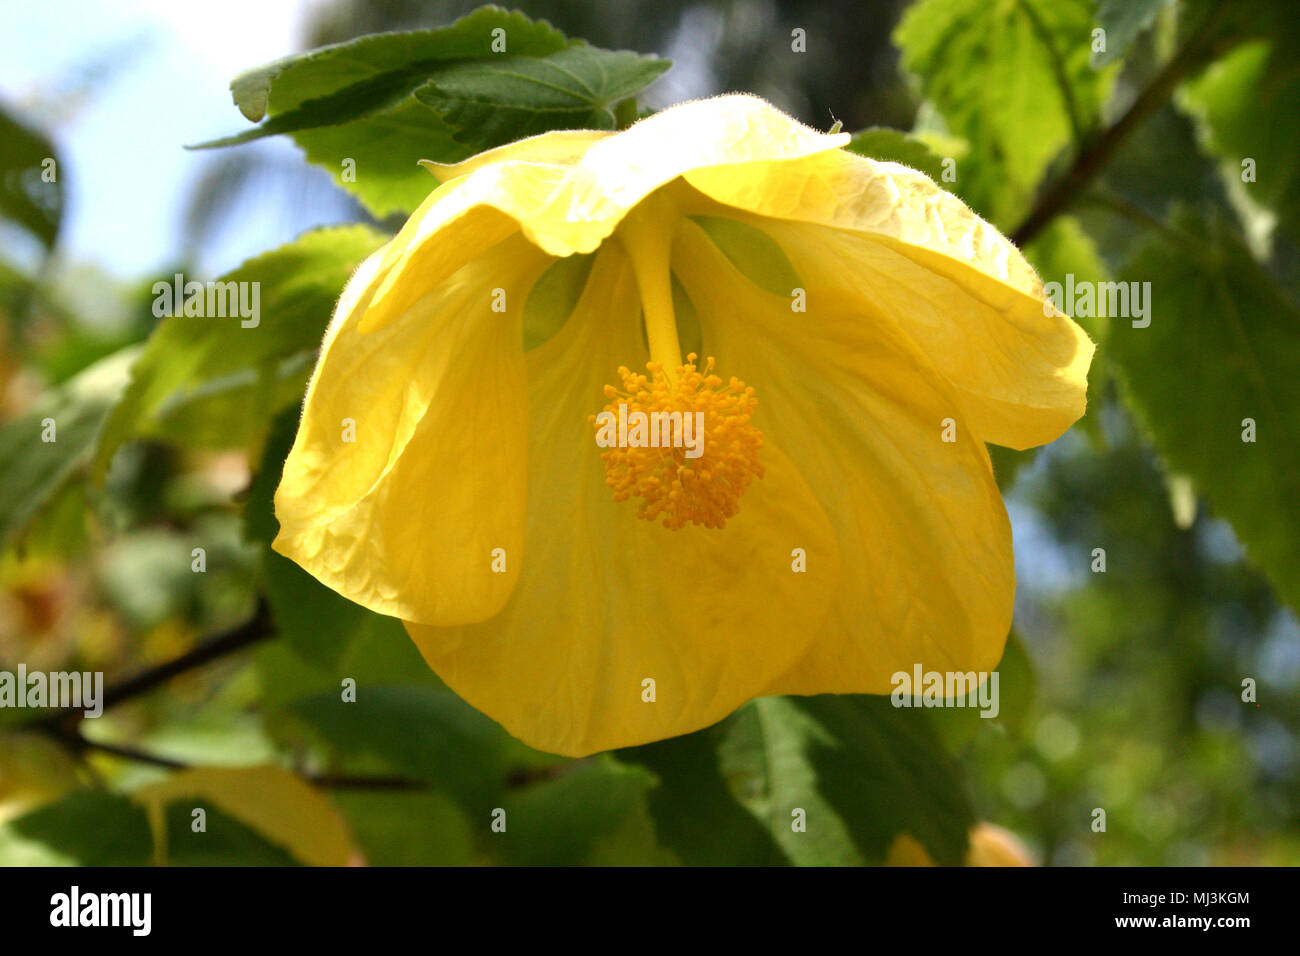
257, 628
332, 781
1093, 157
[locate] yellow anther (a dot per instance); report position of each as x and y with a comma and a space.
682, 443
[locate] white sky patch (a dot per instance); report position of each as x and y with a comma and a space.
123, 87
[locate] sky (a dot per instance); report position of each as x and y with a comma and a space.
122, 86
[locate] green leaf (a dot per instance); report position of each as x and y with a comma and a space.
198, 360
695, 813
32, 470
1123, 21
495, 101
318, 623
386, 101
26, 195
409, 829
1013, 78
428, 734
895, 146
294, 82
226, 841
96, 828
373, 656
1246, 107
862, 771
89, 828
1223, 346
593, 814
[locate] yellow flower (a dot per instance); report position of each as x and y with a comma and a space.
862, 334
990, 845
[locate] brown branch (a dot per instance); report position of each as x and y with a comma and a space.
332, 781
1093, 157
257, 628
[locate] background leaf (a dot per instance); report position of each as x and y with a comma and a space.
33, 470
25, 197
387, 101
895, 146
426, 734
595, 813
863, 771
97, 828
269, 799
410, 829
1013, 79
695, 812
491, 102
1236, 102
1223, 346
200, 360
1123, 21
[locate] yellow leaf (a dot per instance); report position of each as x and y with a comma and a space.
269, 799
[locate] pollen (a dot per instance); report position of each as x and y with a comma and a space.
681, 442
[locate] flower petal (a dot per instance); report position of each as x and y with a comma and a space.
559, 147
913, 254
605, 600
924, 541
404, 518
568, 190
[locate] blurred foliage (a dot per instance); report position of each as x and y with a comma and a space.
1165, 153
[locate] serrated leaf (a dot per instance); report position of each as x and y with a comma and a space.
895, 146
294, 81
386, 101
695, 813
495, 101
194, 359
861, 770
1012, 78
1246, 106
1223, 346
